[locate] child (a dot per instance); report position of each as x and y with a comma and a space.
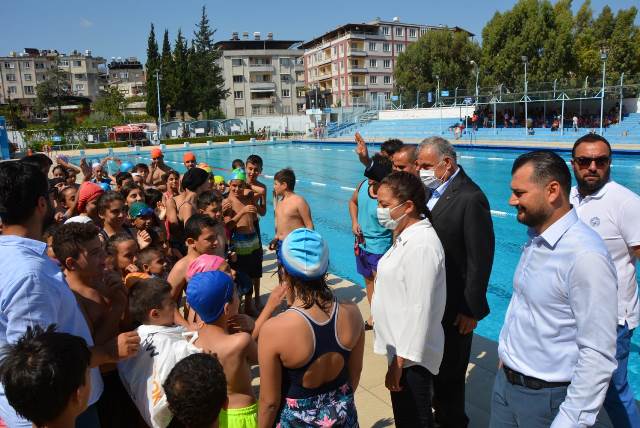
111, 211
152, 261
132, 193
67, 201
196, 390
237, 164
123, 179
254, 169
201, 238
292, 211
87, 205
142, 218
189, 160
213, 297
240, 219
42, 363
163, 344
210, 203
47, 236
123, 250
142, 169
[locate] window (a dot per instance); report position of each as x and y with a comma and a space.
412, 32
341, 49
9, 65
123, 75
387, 95
423, 31
27, 65
285, 77
372, 46
342, 81
285, 62
12, 89
238, 95
387, 80
79, 87
81, 76
286, 93
39, 66
373, 79
77, 63
387, 63
236, 62
238, 79
64, 63
399, 47
335, 51
300, 107
11, 77
373, 63
386, 47
399, 31
27, 77
286, 109
385, 31
270, 110
300, 93
255, 110
28, 90
239, 111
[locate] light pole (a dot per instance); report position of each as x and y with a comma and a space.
158, 77
526, 113
438, 101
475, 65
604, 52
620, 104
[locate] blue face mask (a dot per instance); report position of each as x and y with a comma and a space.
384, 217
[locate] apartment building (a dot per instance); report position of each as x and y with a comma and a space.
127, 75
264, 76
83, 72
353, 64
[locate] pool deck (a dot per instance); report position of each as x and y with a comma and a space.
372, 398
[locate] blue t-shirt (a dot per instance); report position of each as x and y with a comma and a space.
377, 239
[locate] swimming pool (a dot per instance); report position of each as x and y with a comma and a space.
328, 174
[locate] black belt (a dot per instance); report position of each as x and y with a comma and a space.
517, 378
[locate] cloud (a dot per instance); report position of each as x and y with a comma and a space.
85, 23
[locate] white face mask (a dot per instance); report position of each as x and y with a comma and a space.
429, 179
384, 217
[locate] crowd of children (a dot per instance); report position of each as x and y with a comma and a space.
165, 269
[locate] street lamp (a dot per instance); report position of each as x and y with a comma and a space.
477, 68
438, 100
526, 113
604, 52
158, 77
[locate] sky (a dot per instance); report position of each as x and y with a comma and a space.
119, 28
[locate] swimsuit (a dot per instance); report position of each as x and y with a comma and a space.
245, 417
249, 251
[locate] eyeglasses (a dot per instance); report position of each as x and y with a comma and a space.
584, 162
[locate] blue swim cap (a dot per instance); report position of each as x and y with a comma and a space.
207, 293
126, 166
105, 186
305, 254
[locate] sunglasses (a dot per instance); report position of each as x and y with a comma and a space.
585, 162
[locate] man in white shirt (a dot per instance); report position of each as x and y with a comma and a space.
613, 211
557, 345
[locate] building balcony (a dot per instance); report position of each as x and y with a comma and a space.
356, 52
260, 68
325, 60
324, 76
360, 69
263, 101
262, 86
357, 86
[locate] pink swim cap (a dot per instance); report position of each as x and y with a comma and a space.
204, 263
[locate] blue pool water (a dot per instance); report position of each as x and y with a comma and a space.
329, 173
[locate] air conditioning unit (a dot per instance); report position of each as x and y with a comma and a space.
256, 35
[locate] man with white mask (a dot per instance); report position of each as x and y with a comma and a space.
462, 219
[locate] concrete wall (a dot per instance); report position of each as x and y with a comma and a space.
427, 113
297, 123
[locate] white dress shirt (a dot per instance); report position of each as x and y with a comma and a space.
561, 322
437, 192
409, 299
614, 213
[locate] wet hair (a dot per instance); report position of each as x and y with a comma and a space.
209, 197
112, 243
152, 197
122, 176
170, 173
408, 187
146, 255
129, 188
286, 176
21, 186
142, 166
65, 173
442, 146
391, 146
193, 227
196, 390
590, 138
105, 200
69, 240
42, 371
547, 167
237, 163
314, 292
254, 159
145, 295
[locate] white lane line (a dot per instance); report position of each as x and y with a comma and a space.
267, 176
496, 159
350, 189
467, 157
315, 183
328, 150
499, 213
341, 150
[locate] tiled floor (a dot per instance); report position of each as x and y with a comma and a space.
372, 398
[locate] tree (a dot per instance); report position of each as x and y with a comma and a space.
153, 62
53, 90
206, 74
167, 89
183, 98
443, 53
110, 103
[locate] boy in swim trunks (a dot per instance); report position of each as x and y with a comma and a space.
254, 169
213, 296
240, 219
292, 211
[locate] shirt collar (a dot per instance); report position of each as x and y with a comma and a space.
440, 190
599, 194
38, 247
554, 232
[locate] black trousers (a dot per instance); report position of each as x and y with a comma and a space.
412, 405
448, 385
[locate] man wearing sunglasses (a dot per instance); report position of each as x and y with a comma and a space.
613, 211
